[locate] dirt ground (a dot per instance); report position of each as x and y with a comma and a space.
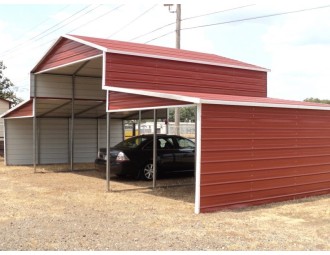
72, 211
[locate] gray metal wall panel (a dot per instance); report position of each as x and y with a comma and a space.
53, 135
54, 140
59, 86
85, 137
116, 132
19, 142
55, 86
89, 88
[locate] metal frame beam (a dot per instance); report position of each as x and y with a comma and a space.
55, 109
90, 108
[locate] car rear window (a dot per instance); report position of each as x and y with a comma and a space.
131, 143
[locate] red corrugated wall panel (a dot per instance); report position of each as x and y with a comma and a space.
65, 52
255, 155
122, 101
150, 73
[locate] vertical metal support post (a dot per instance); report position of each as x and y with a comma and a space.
34, 123
108, 152
198, 155
5, 140
72, 125
139, 124
167, 121
97, 135
154, 160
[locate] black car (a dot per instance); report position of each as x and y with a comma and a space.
134, 156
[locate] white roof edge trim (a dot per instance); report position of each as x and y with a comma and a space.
151, 108
188, 60
68, 64
153, 94
15, 107
19, 117
272, 105
96, 46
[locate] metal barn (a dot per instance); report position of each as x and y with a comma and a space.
250, 149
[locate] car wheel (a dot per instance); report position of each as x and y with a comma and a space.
147, 172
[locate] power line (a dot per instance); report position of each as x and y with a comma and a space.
160, 36
30, 39
40, 45
245, 19
258, 17
52, 40
193, 17
69, 22
129, 23
88, 22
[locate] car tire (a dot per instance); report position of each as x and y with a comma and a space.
147, 172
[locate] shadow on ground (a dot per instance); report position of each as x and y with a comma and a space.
178, 187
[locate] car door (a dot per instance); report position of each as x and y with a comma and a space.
165, 153
184, 154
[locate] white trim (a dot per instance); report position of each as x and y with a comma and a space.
19, 117
96, 46
198, 159
197, 100
154, 94
150, 108
68, 64
272, 105
187, 60
14, 108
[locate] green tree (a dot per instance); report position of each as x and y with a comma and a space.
317, 100
7, 88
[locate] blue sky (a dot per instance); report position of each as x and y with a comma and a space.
296, 46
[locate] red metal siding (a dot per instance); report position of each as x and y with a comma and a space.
149, 73
66, 52
255, 155
121, 101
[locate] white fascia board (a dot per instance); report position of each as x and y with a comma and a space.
68, 64
14, 108
82, 41
19, 117
141, 92
271, 105
151, 108
187, 60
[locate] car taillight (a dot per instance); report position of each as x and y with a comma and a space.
122, 157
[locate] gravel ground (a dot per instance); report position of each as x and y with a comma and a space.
72, 211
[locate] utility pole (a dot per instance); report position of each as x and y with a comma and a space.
178, 46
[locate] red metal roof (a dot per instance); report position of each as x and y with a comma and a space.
207, 98
162, 52
24, 109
